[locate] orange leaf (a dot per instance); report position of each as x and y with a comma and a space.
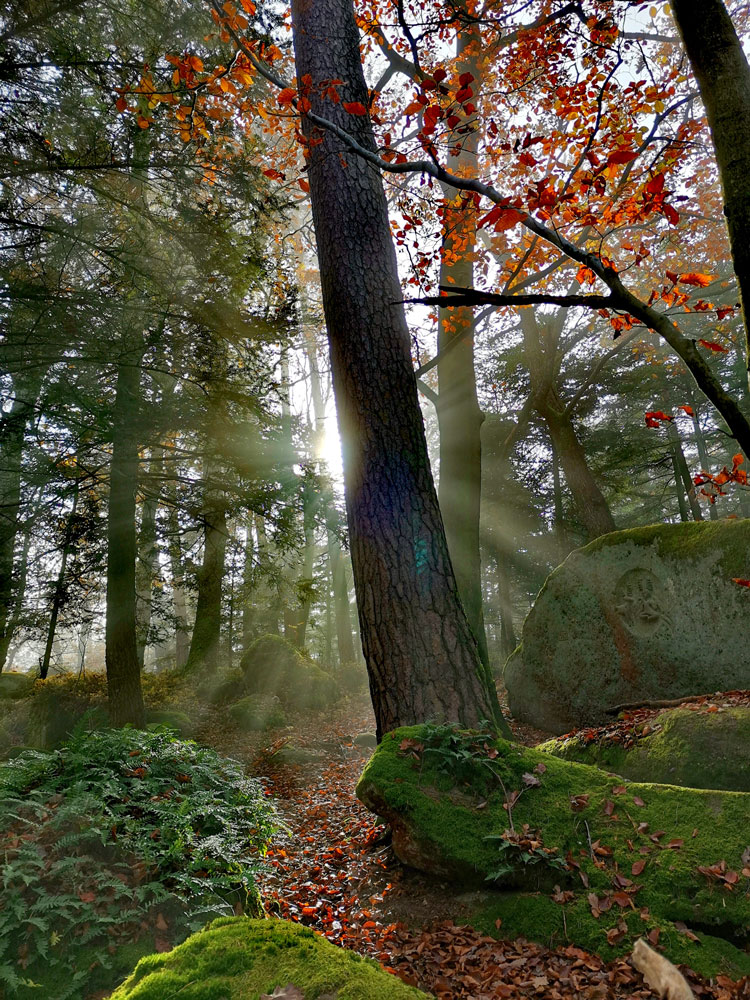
740, 582
354, 108
273, 174
412, 109
303, 184
286, 96
692, 278
687, 409
121, 105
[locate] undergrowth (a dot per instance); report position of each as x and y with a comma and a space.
119, 836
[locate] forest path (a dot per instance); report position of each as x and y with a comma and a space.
334, 871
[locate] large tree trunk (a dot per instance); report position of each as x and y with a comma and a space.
723, 74
421, 656
459, 416
121, 655
179, 604
12, 429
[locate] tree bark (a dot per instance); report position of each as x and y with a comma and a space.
147, 565
12, 430
204, 644
421, 656
179, 604
682, 472
723, 75
121, 655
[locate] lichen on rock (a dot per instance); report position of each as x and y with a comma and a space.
637, 615
635, 857
235, 958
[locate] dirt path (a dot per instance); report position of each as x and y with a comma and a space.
334, 871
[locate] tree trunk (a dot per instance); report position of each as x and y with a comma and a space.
57, 598
182, 631
204, 645
147, 566
682, 471
723, 75
589, 500
12, 430
421, 656
459, 416
121, 655
340, 589
705, 459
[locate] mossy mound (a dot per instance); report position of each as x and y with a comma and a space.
173, 719
272, 666
638, 615
626, 857
13, 686
239, 959
221, 688
692, 747
257, 714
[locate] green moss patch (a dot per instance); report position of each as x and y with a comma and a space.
588, 858
640, 615
694, 747
239, 959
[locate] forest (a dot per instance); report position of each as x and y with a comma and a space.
374, 507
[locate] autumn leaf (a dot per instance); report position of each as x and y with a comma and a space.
740, 582
304, 185
687, 409
693, 278
501, 217
287, 95
355, 108
622, 156
273, 174
711, 345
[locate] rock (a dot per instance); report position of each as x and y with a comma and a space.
179, 721
683, 746
241, 958
222, 687
255, 714
365, 740
581, 857
646, 614
13, 686
272, 666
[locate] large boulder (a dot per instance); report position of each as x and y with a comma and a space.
578, 856
648, 613
273, 667
239, 959
692, 746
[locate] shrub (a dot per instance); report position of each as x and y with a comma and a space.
115, 840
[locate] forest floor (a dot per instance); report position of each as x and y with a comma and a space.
334, 871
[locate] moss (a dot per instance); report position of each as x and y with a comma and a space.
683, 746
238, 959
443, 823
179, 721
222, 687
273, 667
634, 616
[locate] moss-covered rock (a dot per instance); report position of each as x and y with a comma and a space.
626, 857
239, 959
683, 746
173, 719
222, 687
649, 613
13, 686
272, 666
255, 714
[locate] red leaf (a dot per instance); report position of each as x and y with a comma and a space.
286, 96
687, 409
655, 185
740, 582
711, 345
622, 156
354, 108
465, 79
